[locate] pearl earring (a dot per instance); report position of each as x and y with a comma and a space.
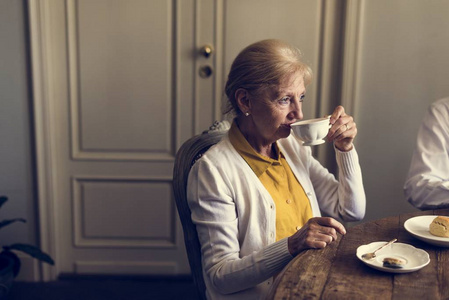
247, 114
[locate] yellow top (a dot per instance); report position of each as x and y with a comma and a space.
293, 208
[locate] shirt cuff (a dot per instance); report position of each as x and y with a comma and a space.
348, 162
277, 255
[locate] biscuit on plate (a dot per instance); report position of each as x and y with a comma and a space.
392, 262
440, 226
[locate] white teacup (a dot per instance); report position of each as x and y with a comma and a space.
311, 132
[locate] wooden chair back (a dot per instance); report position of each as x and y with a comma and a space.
186, 157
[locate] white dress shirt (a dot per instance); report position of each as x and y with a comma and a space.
427, 184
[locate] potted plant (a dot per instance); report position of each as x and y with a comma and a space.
9, 261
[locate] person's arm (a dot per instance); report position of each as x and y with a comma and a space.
427, 184
343, 199
214, 213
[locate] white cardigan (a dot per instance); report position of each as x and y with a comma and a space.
235, 215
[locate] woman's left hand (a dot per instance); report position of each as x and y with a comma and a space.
343, 130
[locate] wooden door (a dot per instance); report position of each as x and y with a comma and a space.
118, 86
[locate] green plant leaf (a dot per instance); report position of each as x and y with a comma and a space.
15, 258
3, 199
7, 222
32, 251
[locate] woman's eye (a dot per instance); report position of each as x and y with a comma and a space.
285, 100
301, 99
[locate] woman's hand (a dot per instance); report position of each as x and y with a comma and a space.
317, 233
343, 130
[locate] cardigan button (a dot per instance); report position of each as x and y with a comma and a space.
288, 201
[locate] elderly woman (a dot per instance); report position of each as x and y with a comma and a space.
258, 195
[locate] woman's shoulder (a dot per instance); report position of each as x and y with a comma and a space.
221, 153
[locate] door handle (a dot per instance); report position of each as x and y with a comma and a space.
207, 50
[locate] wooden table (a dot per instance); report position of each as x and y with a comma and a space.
336, 273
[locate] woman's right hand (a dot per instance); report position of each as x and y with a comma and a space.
317, 233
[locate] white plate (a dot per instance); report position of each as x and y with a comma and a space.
419, 228
415, 258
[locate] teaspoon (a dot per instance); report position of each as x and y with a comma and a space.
372, 255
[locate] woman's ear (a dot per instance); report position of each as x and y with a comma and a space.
242, 99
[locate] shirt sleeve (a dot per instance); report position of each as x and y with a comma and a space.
427, 183
343, 199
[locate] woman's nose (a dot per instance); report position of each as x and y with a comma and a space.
297, 110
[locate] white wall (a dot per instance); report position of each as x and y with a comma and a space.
16, 159
403, 66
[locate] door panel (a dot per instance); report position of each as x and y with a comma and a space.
151, 225
120, 74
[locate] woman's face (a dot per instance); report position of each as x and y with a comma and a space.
274, 110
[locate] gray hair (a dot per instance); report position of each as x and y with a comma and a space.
264, 64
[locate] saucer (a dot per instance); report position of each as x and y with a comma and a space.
414, 258
313, 143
